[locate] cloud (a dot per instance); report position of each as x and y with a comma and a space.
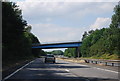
100, 23
55, 33
42, 12
64, 21
61, 21
68, 0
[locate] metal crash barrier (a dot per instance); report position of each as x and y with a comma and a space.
104, 62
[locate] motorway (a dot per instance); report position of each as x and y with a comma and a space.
37, 70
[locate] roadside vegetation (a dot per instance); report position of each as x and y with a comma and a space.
70, 52
17, 39
55, 52
101, 43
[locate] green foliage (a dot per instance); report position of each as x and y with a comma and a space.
16, 37
101, 42
48, 52
42, 53
104, 56
116, 18
85, 35
90, 40
70, 52
55, 52
12, 22
104, 43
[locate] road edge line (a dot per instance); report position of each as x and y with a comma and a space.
106, 70
101, 69
16, 71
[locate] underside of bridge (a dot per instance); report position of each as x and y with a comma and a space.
59, 45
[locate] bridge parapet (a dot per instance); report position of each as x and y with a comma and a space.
57, 45
37, 44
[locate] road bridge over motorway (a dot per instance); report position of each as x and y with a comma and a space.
59, 45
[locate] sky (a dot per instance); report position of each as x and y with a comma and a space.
65, 20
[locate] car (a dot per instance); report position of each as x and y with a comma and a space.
50, 58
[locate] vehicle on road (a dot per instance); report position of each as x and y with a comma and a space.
50, 58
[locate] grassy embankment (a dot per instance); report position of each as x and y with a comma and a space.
104, 56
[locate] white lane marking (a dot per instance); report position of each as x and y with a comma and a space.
106, 70
76, 75
16, 71
102, 69
67, 70
83, 65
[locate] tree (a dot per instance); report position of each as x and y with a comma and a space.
70, 52
17, 39
28, 28
105, 41
84, 35
12, 29
116, 17
12, 22
57, 52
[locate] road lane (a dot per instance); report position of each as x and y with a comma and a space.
92, 73
40, 71
61, 71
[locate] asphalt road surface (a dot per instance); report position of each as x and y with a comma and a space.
37, 70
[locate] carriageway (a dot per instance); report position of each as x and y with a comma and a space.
59, 45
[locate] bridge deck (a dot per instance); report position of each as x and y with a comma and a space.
58, 45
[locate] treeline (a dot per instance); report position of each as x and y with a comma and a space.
103, 43
55, 52
16, 36
70, 52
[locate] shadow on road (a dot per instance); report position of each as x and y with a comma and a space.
55, 65
52, 72
101, 79
96, 79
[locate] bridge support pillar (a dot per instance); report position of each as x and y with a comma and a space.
78, 51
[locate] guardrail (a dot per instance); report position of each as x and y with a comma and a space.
103, 62
115, 63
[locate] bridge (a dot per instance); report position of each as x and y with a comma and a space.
59, 45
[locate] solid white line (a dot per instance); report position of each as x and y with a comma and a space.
102, 69
106, 70
16, 71
82, 65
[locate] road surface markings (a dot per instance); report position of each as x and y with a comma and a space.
67, 70
102, 69
76, 75
82, 65
106, 70
16, 71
